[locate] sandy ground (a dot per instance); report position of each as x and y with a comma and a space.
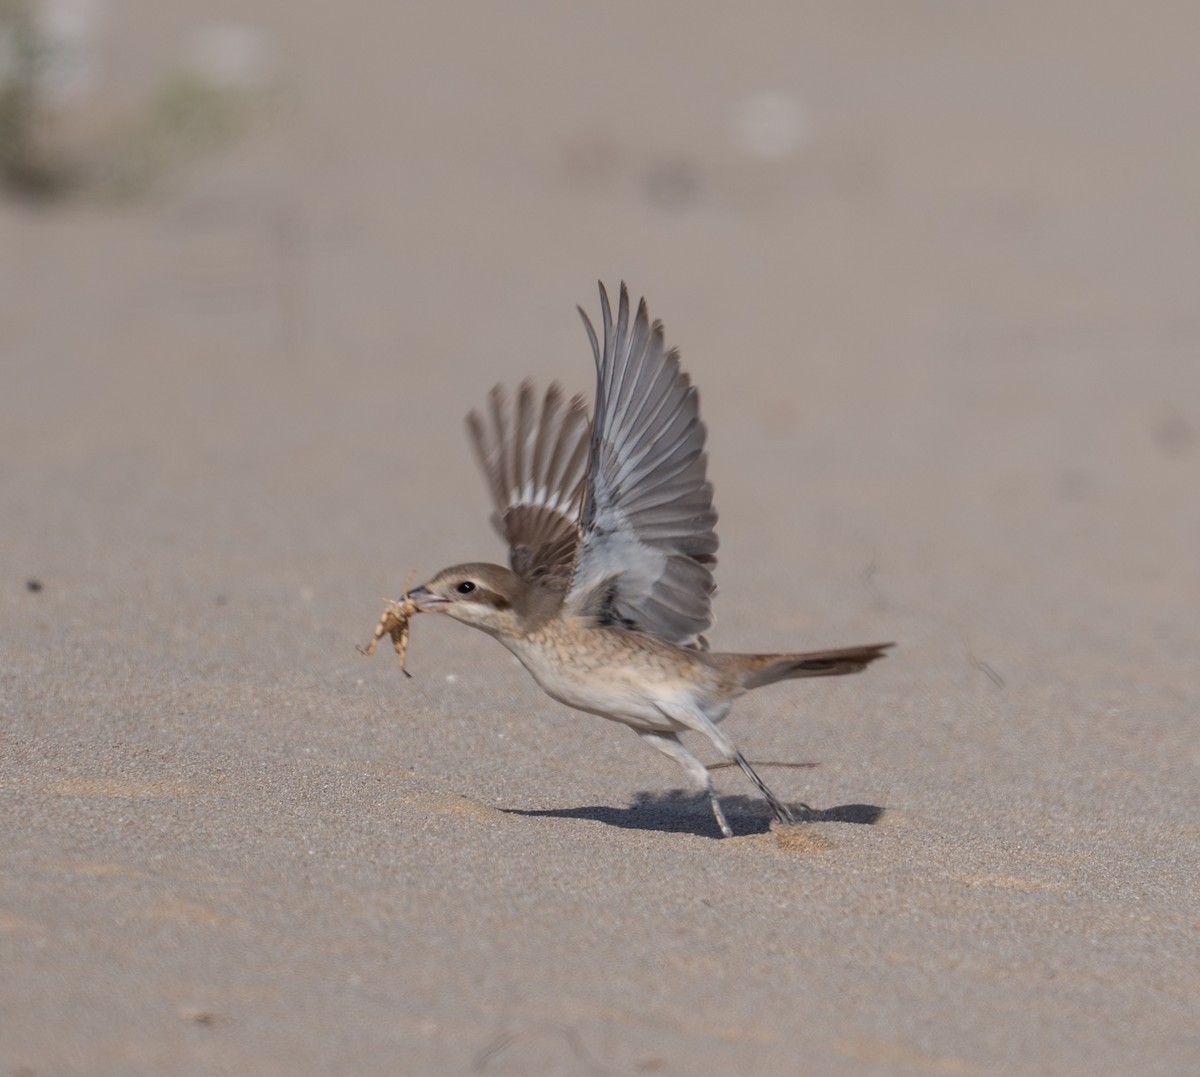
939, 292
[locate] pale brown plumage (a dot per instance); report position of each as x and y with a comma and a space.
612, 546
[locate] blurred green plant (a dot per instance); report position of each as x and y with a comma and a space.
187, 117
28, 165
44, 158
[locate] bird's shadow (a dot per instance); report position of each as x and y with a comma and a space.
680, 811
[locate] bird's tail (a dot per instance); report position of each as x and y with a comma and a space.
755, 670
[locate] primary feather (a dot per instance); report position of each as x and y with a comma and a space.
535, 468
647, 540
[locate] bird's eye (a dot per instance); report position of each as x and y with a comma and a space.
465, 588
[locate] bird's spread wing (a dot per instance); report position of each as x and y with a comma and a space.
535, 463
648, 545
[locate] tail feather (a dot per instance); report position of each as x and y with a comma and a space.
755, 670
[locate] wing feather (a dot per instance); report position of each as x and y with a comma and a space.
647, 525
535, 465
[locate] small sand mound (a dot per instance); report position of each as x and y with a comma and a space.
463, 807
799, 838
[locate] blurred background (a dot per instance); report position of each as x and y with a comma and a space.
938, 257
932, 263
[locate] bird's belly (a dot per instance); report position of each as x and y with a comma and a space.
614, 690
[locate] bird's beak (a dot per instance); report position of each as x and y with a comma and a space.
426, 601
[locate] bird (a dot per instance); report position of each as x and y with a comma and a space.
610, 525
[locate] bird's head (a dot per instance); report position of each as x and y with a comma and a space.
485, 596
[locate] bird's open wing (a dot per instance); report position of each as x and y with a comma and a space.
648, 545
535, 462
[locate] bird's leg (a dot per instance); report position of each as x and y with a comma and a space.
696, 719
782, 813
668, 744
